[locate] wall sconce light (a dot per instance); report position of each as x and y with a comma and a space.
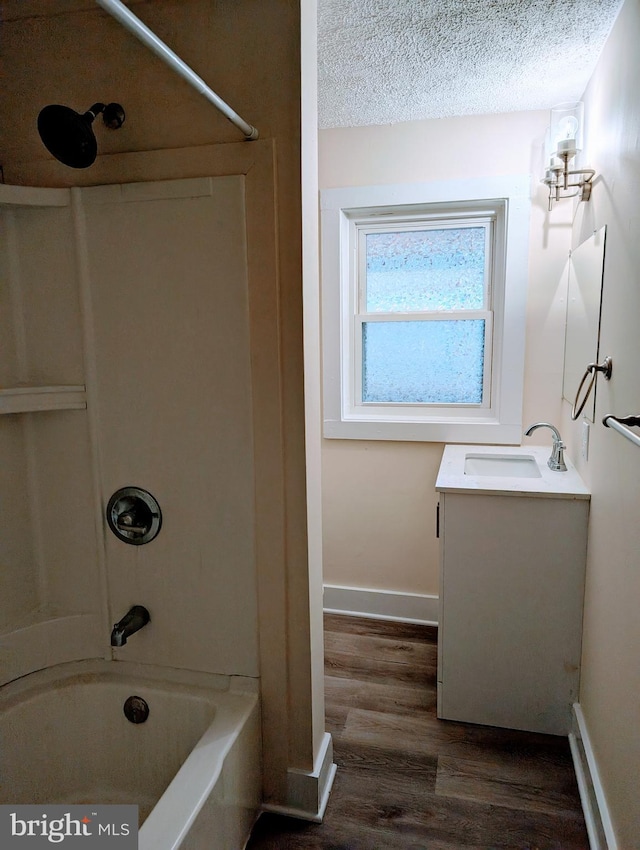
563, 142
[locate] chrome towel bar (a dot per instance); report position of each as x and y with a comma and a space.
623, 425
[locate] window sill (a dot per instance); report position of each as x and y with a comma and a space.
489, 432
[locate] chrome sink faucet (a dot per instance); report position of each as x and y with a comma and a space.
132, 622
556, 461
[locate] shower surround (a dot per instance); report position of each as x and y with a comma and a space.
160, 315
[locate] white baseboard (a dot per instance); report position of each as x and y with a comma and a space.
308, 792
594, 803
381, 604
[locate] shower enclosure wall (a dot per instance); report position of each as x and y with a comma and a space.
150, 383
135, 300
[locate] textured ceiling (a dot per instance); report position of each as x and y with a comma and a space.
384, 61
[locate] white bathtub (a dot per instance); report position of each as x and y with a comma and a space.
193, 767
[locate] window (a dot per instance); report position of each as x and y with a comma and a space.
423, 291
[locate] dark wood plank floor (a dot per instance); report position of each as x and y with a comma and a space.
408, 781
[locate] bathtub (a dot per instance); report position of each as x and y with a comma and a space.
193, 767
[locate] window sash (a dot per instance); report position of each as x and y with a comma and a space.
384, 408
397, 224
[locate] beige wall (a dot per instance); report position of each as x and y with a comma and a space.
74, 53
378, 497
610, 684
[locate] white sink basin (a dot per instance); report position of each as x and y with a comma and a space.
502, 465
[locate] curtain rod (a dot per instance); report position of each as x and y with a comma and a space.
130, 22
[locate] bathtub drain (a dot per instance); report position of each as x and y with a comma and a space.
136, 709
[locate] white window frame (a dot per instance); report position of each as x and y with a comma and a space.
345, 213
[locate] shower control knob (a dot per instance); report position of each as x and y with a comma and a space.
128, 521
134, 515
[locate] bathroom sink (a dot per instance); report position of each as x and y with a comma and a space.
502, 465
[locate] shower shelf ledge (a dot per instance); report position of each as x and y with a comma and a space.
35, 399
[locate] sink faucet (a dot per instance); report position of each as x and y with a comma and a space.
132, 622
556, 461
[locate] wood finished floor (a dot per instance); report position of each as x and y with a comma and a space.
408, 781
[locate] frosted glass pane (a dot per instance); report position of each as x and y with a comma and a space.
425, 270
439, 362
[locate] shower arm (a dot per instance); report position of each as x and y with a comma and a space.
130, 22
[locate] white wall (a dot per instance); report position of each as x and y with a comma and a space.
610, 684
378, 497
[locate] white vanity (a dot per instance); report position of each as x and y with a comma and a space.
513, 539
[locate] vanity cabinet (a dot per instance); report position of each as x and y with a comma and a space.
511, 597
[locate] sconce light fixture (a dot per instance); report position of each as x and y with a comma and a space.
562, 144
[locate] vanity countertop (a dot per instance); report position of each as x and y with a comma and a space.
452, 477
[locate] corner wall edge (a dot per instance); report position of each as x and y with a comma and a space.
308, 791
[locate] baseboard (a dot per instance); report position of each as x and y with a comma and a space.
594, 803
381, 604
308, 792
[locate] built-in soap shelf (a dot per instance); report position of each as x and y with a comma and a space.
35, 399
31, 399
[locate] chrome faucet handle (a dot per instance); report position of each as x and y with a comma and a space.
128, 522
556, 461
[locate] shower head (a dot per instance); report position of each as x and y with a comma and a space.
68, 135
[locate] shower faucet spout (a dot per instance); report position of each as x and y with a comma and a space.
131, 623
